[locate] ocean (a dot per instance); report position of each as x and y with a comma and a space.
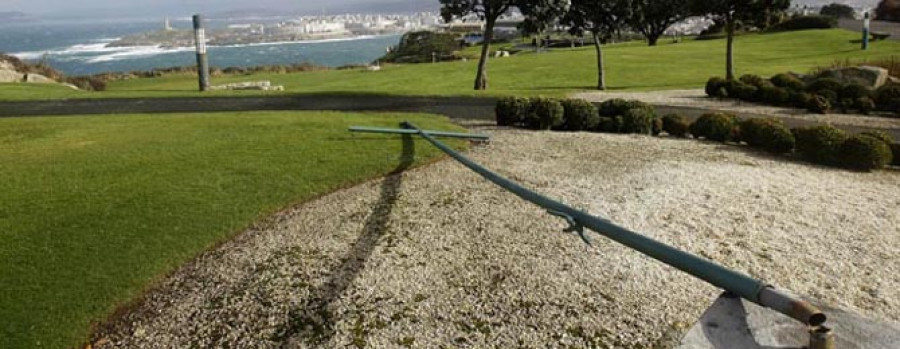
79, 48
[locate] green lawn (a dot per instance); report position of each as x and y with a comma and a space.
631, 66
95, 208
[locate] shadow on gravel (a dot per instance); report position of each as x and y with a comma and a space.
313, 323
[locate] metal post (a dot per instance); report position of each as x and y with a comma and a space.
866, 23
202, 62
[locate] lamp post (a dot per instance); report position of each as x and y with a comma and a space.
866, 22
202, 62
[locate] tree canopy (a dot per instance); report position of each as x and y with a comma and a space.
888, 10
838, 11
653, 17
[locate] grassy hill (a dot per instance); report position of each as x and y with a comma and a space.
630, 66
95, 208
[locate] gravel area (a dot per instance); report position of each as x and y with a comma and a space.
698, 99
438, 257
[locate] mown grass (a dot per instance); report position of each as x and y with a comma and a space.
95, 208
630, 66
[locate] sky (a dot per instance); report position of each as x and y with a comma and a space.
181, 7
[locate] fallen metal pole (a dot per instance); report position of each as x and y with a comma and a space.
737, 283
414, 132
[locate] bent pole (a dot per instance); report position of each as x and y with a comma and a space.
732, 281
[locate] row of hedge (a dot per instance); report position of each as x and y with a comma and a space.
821, 95
824, 144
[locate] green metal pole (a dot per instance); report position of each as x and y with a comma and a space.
740, 284
413, 132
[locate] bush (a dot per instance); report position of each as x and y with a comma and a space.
820, 144
865, 153
788, 81
718, 127
825, 84
511, 111
657, 126
609, 125
618, 107
638, 120
769, 134
675, 125
806, 22
887, 97
743, 91
580, 115
754, 80
545, 114
831, 96
774, 95
88, 83
819, 104
865, 105
895, 149
879, 135
854, 92
799, 99
715, 87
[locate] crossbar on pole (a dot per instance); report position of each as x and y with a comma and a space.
735, 282
364, 129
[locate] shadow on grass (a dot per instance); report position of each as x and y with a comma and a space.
313, 323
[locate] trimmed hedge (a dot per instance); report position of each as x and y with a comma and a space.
819, 104
638, 120
825, 84
880, 135
788, 81
774, 95
865, 153
580, 115
618, 107
545, 114
887, 98
806, 22
769, 134
675, 125
799, 99
754, 80
609, 125
719, 127
895, 149
510, 111
715, 87
820, 144
854, 92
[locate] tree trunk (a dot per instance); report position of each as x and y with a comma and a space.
729, 59
653, 39
601, 78
481, 77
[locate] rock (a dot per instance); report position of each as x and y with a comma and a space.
894, 80
871, 77
71, 86
374, 68
11, 76
6, 65
38, 79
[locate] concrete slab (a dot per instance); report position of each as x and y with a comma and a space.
738, 324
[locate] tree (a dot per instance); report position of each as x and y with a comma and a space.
603, 19
541, 15
488, 11
838, 11
732, 12
888, 10
653, 17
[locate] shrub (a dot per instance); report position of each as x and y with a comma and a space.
895, 149
847, 105
580, 115
806, 22
788, 81
825, 84
718, 127
831, 96
675, 125
879, 135
819, 104
769, 134
638, 120
865, 153
714, 87
887, 97
657, 126
820, 144
511, 111
854, 92
774, 95
618, 107
799, 99
545, 114
609, 125
88, 83
865, 105
743, 91
754, 80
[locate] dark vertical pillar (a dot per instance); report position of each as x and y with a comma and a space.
202, 62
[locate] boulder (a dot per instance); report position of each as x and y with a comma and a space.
38, 79
871, 77
5, 65
11, 76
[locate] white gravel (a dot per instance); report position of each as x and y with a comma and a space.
698, 99
454, 261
